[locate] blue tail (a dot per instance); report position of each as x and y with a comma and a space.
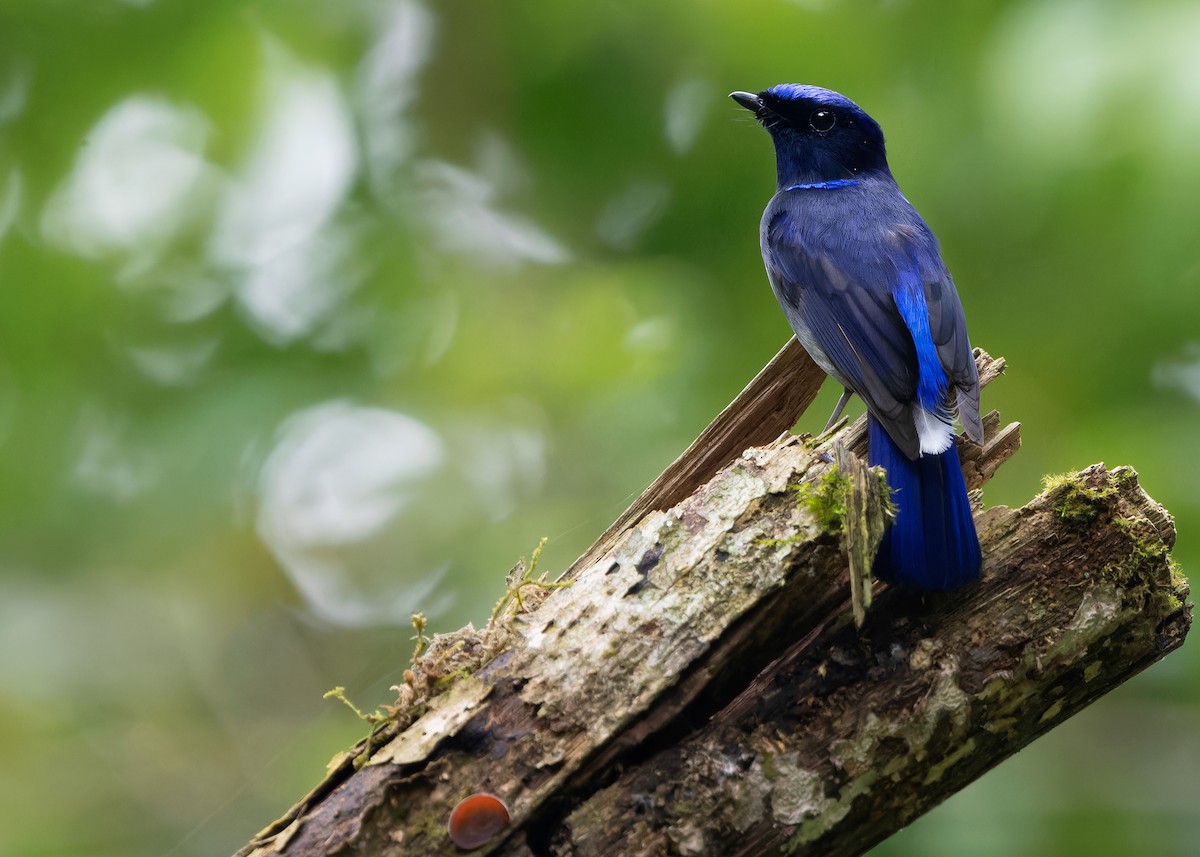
932, 544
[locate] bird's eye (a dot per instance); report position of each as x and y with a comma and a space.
822, 121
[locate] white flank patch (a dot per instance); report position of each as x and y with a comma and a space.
935, 434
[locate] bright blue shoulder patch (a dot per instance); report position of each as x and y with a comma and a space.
909, 295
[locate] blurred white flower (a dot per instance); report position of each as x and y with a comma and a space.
501, 462
1078, 82
366, 509
10, 201
339, 474
14, 92
458, 206
631, 212
1182, 374
385, 86
683, 114
139, 178
275, 228
105, 463
175, 364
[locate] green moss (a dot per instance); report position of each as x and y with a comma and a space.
770, 770
520, 577
831, 814
826, 499
775, 543
1179, 582
442, 682
690, 809
1180, 588
1073, 499
429, 825
420, 625
378, 719
1122, 475
885, 489
1148, 549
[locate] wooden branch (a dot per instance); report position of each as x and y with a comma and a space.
768, 406
849, 737
700, 688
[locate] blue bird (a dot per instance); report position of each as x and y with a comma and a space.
860, 278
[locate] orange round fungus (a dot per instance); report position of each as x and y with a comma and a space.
477, 819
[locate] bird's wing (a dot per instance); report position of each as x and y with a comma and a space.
948, 328
839, 286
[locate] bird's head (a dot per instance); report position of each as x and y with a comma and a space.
820, 135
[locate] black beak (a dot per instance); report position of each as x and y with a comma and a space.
748, 100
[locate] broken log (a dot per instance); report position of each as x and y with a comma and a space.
701, 688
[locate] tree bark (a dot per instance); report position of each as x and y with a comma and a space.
701, 688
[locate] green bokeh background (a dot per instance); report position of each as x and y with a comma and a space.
316, 314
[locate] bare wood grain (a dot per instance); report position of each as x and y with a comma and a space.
768, 406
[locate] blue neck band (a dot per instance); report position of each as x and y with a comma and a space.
829, 185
